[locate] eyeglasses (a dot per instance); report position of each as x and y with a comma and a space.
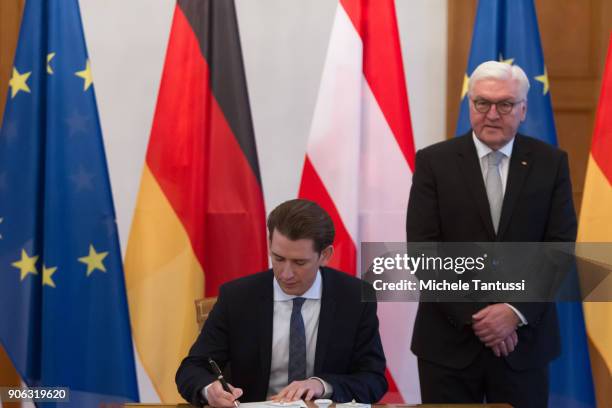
502, 107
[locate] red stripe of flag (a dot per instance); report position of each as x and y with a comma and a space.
201, 168
383, 68
602, 135
312, 188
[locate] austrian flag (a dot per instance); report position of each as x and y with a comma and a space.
360, 158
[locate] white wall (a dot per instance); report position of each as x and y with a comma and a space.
284, 44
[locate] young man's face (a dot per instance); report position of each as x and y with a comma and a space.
295, 263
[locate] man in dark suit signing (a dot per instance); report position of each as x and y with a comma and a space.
491, 184
299, 330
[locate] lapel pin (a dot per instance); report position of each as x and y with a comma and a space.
524, 163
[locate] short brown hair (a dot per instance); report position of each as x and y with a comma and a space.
303, 219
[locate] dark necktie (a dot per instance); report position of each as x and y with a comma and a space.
297, 342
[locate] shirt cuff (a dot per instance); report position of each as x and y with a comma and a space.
523, 321
328, 390
205, 393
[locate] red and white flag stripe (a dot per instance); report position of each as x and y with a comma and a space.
360, 159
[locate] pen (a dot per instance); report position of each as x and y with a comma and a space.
221, 379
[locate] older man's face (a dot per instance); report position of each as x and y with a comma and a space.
494, 128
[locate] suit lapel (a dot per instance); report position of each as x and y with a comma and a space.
470, 168
264, 319
326, 321
517, 173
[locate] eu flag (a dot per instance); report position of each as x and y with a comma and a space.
63, 311
507, 31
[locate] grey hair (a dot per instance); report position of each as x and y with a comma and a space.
500, 71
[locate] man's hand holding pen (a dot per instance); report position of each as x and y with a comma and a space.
218, 397
220, 393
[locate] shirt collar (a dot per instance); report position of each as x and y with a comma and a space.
314, 292
482, 149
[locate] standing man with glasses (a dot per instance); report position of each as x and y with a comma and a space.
489, 185
297, 331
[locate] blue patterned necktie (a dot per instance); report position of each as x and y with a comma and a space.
297, 342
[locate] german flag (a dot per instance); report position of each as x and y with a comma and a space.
199, 219
596, 226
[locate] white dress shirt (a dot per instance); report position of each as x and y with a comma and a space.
283, 305
483, 150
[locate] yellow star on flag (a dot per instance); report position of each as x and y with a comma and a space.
49, 58
544, 80
94, 260
18, 82
47, 274
508, 61
26, 264
86, 75
464, 87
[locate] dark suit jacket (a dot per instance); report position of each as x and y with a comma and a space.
349, 353
448, 203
